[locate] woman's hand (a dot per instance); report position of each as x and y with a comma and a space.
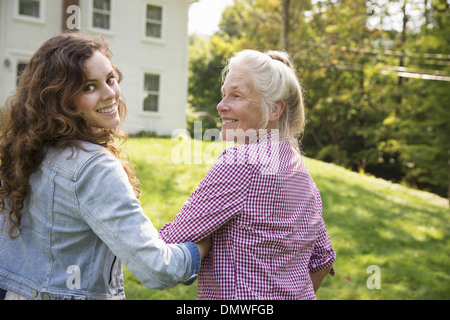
318, 277
204, 246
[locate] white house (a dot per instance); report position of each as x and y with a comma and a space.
148, 38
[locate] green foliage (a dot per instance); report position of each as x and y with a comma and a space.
403, 231
206, 62
374, 222
348, 54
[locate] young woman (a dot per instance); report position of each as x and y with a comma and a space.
69, 209
258, 201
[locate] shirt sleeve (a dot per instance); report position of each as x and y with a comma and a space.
323, 254
107, 202
219, 198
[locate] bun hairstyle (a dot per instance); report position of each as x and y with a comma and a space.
281, 56
274, 78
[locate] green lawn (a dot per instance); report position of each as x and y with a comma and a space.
402, 231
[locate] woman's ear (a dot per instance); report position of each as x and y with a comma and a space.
277, 110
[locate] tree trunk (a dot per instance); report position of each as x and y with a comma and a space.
403, 39
285, 27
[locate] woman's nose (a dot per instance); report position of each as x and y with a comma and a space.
108, 93
222, 106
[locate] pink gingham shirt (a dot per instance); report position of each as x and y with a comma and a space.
264, 213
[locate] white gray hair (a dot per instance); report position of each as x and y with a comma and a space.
275, 79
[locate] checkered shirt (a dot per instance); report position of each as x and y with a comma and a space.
263, 211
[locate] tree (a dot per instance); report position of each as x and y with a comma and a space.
370, 72
422, 126
286, 26
207, 58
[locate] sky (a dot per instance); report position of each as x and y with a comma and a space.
205, 15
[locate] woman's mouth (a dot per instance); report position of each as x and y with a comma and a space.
109, 109
228, 121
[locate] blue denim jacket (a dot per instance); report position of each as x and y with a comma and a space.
79, 224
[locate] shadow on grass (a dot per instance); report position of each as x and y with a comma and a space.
387, 228
370, 222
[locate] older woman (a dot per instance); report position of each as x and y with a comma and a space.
258, 201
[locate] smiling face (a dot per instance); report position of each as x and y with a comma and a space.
101, 93
240, 108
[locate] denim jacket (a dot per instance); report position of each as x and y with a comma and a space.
80, 222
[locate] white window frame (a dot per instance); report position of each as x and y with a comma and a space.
143, 92
147, 38
22, 17
15, 57
20, 61
91, 12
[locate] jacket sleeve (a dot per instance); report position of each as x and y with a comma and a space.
107, 202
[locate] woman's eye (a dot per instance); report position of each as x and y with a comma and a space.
89, 87
111, 80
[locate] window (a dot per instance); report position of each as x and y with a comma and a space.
20, 68
30, 8
153, 28
151, 92
101, 14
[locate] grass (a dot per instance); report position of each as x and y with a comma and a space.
370, 221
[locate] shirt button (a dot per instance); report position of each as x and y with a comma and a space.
34, 293
46, 297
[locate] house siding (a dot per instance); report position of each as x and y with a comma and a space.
20, 38
132, 53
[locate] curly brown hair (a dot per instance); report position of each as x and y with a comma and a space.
42, 113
